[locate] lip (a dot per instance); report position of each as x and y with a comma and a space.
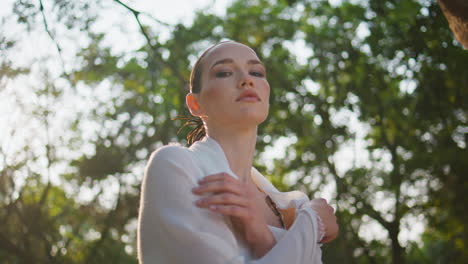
248, 95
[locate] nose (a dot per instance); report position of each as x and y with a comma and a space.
246, 80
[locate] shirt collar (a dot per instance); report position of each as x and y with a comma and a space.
211, 154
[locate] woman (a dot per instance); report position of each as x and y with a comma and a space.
206, 203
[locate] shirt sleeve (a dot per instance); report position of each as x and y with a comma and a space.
171, 229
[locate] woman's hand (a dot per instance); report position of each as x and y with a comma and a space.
231, 197
326, 213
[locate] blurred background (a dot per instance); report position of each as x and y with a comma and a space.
368, 109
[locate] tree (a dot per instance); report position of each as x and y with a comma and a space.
456, 13
384, 75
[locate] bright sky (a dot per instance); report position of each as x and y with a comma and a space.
124, 37
176, 11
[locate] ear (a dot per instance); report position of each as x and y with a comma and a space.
192, 103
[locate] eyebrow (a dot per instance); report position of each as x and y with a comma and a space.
229, 60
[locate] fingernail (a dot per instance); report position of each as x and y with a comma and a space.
195, 189
213, 207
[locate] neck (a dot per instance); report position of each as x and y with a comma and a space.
239, 148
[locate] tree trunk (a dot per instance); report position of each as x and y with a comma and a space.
456, 12
397, 250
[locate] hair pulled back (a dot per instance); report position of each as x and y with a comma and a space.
198, 131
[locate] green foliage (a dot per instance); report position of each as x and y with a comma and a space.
392, 65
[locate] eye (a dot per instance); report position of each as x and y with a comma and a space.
223, 74
257, 74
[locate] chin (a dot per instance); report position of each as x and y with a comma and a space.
262, 119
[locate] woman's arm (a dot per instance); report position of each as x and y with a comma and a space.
327, 219
172, 229
234, 198
231, 197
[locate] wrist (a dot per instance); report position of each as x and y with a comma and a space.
320, 228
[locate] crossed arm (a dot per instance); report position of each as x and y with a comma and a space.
231, 197
172, 229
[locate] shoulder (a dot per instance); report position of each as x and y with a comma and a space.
169, 154
170, 159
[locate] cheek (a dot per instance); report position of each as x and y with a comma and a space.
267, 91
217, 91
214, 90
213, 95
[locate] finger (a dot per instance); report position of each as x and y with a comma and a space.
219, 186
332, 232
230, 210
330, 209
320, 200
222, 199
326, 239
217, 177
330, 237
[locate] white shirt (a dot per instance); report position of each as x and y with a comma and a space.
171, 229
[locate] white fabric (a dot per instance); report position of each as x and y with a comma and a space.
171, 229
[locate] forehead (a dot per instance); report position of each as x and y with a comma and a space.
236, 51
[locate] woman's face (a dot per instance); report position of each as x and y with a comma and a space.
234, 88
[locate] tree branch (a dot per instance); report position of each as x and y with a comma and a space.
136, 12
362, 244
370, 211
8, 246
146, 35
51, 36
107, 226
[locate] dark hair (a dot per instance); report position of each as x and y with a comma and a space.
198, 132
